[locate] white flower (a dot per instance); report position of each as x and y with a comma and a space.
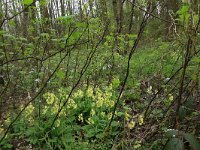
29, 96
37, 80
167, 79
31, 72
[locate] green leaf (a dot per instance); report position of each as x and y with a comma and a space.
116, 83
184, 10
174, 144
90, 133
45, 35
61, 74
9, 146
192, 140
66, 19
196, 60
100, 135
43, 2
27, 2
119, 114
115, 124
2, 32
85, 6
12, 23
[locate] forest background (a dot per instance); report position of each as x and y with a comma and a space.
98, 74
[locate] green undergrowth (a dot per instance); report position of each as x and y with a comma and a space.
82, 122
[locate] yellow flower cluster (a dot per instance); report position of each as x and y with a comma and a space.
90, 92
80, 117
171, 98
127, 116
131, 124
28, 113
137, 144
101, 99
130, 119
100, 103
57, 123
29, 110
92, 112
103, 114
44, 110
90, 121
78, 94
104, 99
54, 109
140, 120
71, 104
50, 98
8, 120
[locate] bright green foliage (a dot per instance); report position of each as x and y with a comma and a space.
27, 2
70, 60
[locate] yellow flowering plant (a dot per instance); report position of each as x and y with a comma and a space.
88, 110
